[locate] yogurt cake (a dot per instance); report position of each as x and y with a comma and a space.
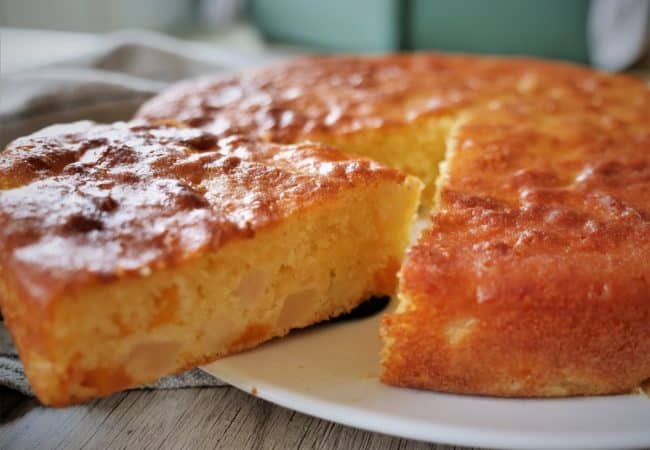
128, 251
534, 277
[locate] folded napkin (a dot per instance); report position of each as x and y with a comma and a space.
105, 86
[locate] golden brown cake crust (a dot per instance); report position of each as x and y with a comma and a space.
540, 300
534, 279
339, 95
85, 202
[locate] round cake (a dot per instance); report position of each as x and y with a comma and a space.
533, 278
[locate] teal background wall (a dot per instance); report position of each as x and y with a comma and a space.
354, 25
546, 28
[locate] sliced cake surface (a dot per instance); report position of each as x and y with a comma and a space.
534, 277
396, 109
129, 251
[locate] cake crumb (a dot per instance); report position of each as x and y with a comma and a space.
644, 389
254, 391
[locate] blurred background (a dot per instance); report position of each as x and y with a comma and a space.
612, 34
66, 60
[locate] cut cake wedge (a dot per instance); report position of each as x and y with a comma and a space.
128, 252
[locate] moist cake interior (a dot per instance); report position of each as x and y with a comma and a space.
253, 290
418, 148
215, 247
426, 147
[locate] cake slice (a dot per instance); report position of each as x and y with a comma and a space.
132, 251
534, 277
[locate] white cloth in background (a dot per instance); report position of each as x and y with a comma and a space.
105, 86
109, 84
618, 32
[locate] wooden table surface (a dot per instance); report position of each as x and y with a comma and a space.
219, 417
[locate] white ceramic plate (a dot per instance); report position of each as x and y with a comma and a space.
331, 371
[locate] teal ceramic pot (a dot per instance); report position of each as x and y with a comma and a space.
549, 28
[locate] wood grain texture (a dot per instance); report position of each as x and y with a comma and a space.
222, 418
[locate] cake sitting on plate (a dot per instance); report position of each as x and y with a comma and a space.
236, 208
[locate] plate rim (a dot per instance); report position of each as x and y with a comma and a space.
295, 395
421, 430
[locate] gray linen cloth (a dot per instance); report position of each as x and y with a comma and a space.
105, 86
